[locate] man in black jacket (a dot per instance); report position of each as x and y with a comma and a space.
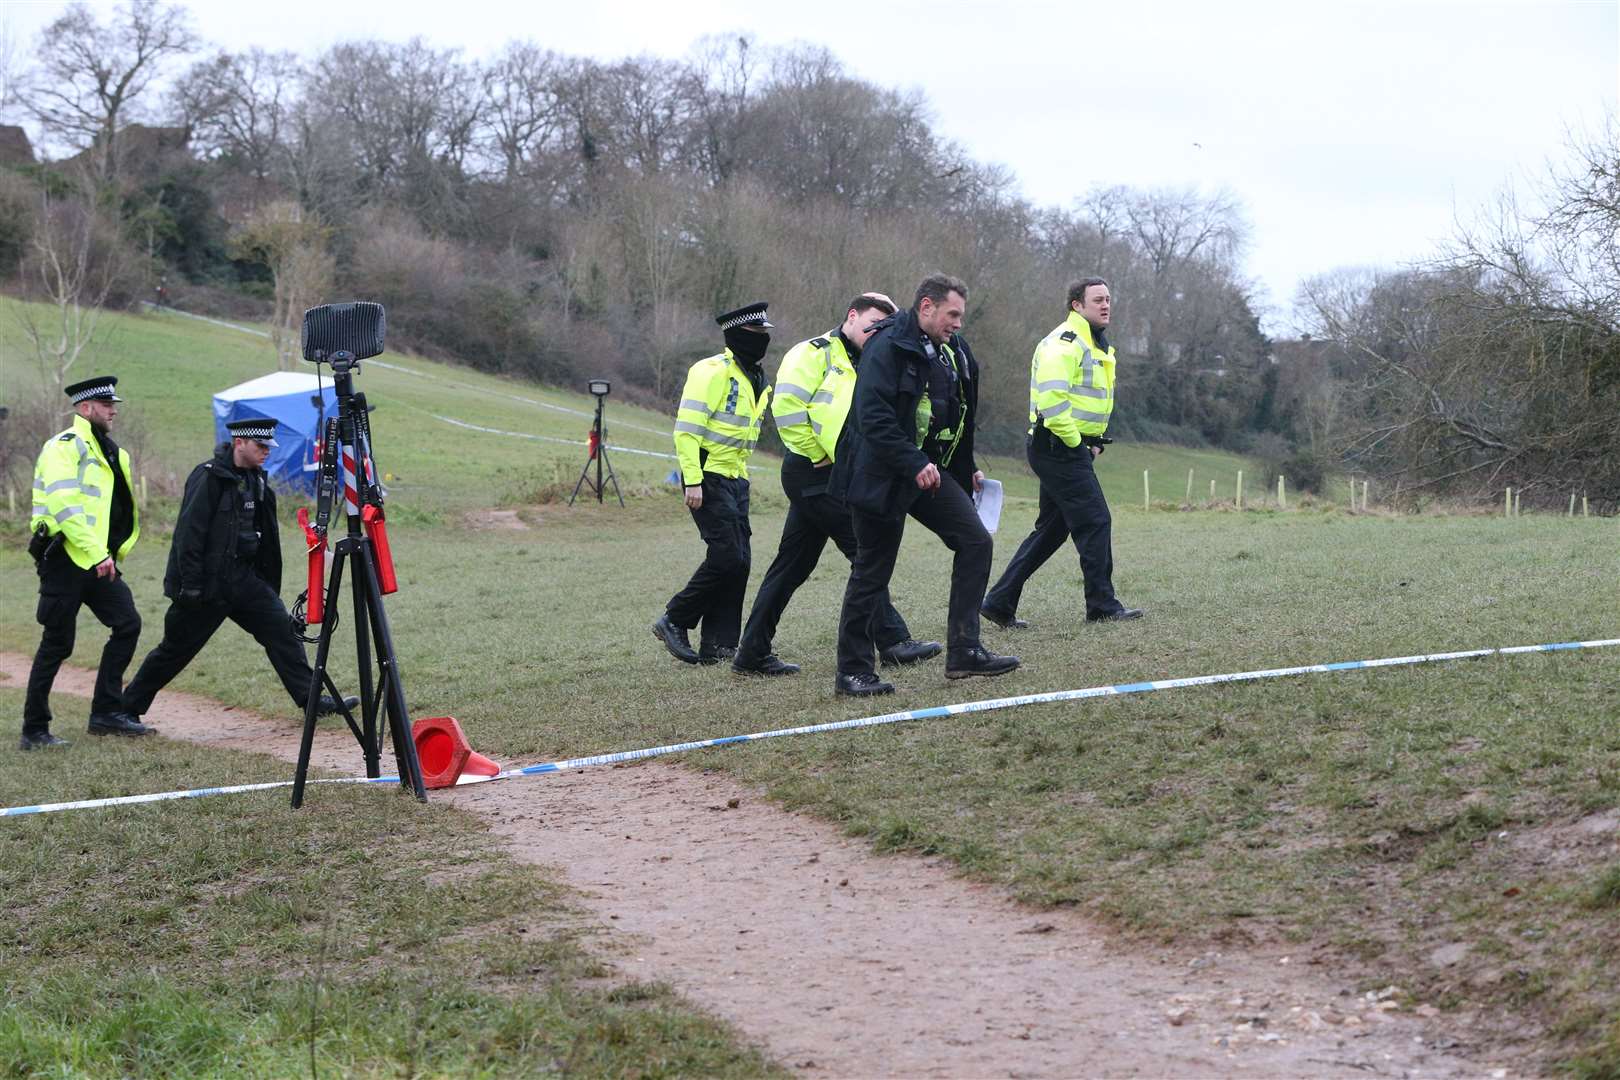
911, 452
225, 562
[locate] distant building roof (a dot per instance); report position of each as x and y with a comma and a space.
15, 149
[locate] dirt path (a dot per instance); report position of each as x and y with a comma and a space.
844, 963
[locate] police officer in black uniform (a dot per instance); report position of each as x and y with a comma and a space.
225, 563
911, 453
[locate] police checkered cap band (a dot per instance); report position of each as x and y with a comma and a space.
261, 430
753, 313
92, 389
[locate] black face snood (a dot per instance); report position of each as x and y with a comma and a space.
748, 346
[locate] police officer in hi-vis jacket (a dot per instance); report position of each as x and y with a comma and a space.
814, 389
1071, 397
85, 523
716, 429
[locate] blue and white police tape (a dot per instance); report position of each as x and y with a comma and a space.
193, 793
544, 438
573, 442
987, 705
1038, 699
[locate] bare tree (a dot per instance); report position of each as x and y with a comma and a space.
292, 243
646, 120
10, 68
238, 106
88, 78
719, 86
650, 218
76, 261
408, 115
521, 112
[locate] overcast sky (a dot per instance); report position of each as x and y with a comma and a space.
1354, 133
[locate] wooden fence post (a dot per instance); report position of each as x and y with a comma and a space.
1240, 489
1282, 497
1572, 504
1585, 510
1507, 502
1518, 500
1189, 488
1366, 486
1212, 493
1147, 500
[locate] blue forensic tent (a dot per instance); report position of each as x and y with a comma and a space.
289, 398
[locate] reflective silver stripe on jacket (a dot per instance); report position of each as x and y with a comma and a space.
1087, 366
1094, 417
1055, 410
822, 397
713, 436
789, 419
695, 405
69, 485
791, 388
69, 512
1087, 386
733, 418
1052, 384
84, 457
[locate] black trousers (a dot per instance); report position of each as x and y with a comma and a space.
63, 589
814, 517
255, 607
950, 515
713, 598
1072, 507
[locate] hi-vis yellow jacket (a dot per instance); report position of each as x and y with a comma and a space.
73, 494
717, 424
815, 387
1071, 383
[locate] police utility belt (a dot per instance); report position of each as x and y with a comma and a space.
42, 545
1043, 438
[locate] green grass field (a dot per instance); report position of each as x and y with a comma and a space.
1378, 814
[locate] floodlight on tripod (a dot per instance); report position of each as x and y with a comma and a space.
597, 452
342, 335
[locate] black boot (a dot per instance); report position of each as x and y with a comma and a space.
861, 684
675, 640
117, 723
710, 653
39, 740
910, 652
1122, 615
1002, 619
328, 706
771, 665
964, 663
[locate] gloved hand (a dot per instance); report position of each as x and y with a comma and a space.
189, 598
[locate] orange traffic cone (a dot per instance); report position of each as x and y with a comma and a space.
447, 758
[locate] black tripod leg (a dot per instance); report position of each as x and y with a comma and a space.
611, 476
391, 685
307, 743
580, 482
363, 589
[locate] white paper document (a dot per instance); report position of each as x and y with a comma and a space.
988, 500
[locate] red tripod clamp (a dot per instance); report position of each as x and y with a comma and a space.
315, 543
